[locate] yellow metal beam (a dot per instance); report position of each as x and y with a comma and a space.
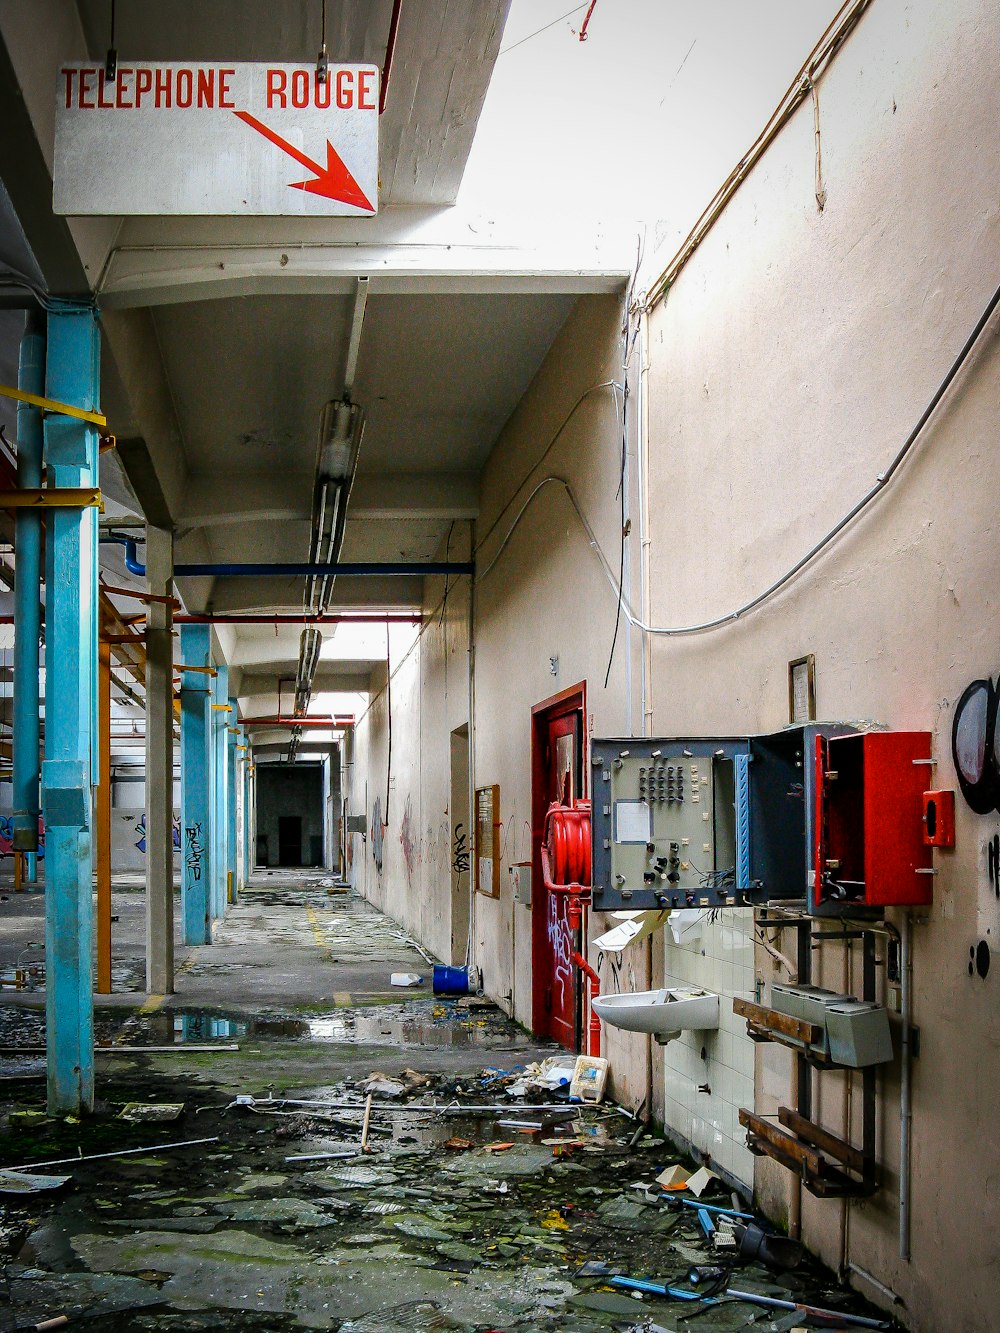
57, 497
51, 405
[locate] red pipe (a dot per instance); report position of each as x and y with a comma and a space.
594, 1041
390, 47
586, 21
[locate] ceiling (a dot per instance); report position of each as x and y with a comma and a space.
248, 377
437, 83
224, 338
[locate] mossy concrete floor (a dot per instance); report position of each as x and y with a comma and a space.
434, 1227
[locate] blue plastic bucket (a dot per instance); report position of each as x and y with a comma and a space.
450, 980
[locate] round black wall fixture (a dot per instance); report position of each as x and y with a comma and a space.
973, 746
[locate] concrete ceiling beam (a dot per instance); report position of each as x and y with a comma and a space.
434, 495
222, 499
441, 70
34, 39
258, 683
285, 595
157, 470
160, 261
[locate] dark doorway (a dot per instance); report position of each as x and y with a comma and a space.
289, 840
291, 815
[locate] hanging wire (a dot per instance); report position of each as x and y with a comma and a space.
111, 60
322, 59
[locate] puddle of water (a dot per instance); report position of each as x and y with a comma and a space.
401, 1026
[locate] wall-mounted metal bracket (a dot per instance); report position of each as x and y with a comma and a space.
56, 497
52, 405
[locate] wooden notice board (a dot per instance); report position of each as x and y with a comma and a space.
488, 840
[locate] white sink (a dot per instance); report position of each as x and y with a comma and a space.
664, 1013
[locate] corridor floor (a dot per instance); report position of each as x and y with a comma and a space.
451, 1218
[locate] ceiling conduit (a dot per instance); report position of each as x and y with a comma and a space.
341, 428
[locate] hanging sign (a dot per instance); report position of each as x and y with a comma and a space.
217, 139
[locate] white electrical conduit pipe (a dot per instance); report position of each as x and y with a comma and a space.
881, 481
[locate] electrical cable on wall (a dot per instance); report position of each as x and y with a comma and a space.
881, 481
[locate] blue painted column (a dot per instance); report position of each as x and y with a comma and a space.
232, 736
72, 376
27, 610
196, 785
247, 811
220, 713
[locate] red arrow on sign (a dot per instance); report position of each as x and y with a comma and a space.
333, 181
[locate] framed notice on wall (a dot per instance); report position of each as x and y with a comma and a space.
802, 689
488, 841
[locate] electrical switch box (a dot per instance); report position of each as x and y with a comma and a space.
520, 882
868, 837
670, 823
782, 809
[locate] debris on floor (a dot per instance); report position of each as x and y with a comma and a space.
488, 1201
140, 1112
22, 1182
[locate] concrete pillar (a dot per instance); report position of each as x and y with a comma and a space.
247, 814
159, 766
220, 804
27, 609
69, 770
196, 785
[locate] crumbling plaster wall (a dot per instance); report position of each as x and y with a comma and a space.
787, 365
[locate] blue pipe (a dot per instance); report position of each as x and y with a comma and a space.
407, 569
714, 1208
660, 1289
131, 563
27, 612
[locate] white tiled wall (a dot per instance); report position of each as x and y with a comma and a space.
721, 961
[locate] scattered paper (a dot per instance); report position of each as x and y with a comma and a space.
673, 1178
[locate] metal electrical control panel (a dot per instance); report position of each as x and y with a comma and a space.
670, 823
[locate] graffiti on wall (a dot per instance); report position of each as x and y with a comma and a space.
140, 830
460, 856
378, 832
408, 842
560, 939
195, 853
7, 836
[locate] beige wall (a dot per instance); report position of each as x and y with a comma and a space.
787, 365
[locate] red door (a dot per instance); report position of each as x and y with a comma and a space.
557, 776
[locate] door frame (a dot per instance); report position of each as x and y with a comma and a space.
572, 700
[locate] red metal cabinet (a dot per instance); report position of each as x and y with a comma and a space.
869, 831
